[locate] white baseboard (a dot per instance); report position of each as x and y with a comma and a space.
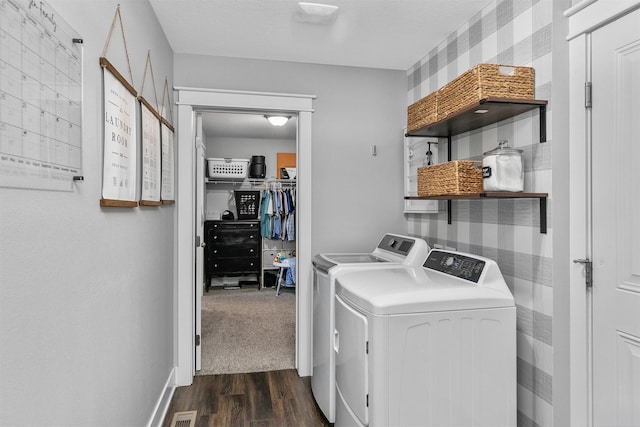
164, 400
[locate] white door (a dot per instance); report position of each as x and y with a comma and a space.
616, 222
200, 217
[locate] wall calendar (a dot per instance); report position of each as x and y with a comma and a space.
40, 97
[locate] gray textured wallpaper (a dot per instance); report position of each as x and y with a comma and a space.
517, 33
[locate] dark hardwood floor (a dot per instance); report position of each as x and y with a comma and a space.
258, 399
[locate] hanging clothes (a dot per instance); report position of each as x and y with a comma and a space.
265, 217
275, 234
290, 278
277, 214
291, 226
290, 222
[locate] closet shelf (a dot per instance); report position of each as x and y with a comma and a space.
494, 110
251, 181
497, 195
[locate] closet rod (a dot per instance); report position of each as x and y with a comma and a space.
257, 182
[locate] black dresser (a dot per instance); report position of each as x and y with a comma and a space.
233, 248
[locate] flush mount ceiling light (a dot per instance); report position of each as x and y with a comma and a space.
481, 111
316, 13
277, 120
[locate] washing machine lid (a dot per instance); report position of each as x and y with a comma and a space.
392, 248
327, 262
405, 290
354, 258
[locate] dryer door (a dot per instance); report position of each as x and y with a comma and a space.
322, 381
350, 342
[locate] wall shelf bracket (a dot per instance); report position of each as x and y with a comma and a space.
542, 197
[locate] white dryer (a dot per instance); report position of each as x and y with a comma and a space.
431, 346
392, 251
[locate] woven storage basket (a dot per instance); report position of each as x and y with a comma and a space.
459, 177
484, 81
423, 112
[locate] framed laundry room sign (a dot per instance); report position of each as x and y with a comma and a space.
167, 133
120, 139
168, 163
151, 155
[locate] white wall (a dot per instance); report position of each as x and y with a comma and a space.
356, 196
86, 293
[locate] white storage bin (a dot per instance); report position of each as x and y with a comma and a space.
227, 168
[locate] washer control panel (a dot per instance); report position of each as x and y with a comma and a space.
455, 264
396, 244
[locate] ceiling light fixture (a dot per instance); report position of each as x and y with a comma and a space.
277, 120
316, 13
481, 111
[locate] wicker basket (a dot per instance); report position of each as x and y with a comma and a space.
483, 81
459, 177
423, 112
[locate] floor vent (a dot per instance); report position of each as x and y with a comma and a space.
184, 419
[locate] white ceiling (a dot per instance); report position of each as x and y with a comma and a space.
385, 34
236, 125
388, 34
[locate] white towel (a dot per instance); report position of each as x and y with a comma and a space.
506, 173
489, 173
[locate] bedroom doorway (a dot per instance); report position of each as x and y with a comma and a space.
190, 102
243, 326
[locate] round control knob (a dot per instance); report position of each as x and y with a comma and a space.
449, 261
392, 242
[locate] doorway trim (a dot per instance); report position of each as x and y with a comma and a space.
191, 101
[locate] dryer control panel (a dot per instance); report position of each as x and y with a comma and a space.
396, 244
455, 264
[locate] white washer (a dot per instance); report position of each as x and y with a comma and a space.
392, 251
429, 346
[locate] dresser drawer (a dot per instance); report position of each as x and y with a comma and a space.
223, 233
235, 265
234, 238
233, 225
245, 251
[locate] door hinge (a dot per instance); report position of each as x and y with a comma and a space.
588, 101
367, 400
197, 340
197, 241
366, 349
588, 270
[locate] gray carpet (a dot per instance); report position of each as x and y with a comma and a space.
247, 330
